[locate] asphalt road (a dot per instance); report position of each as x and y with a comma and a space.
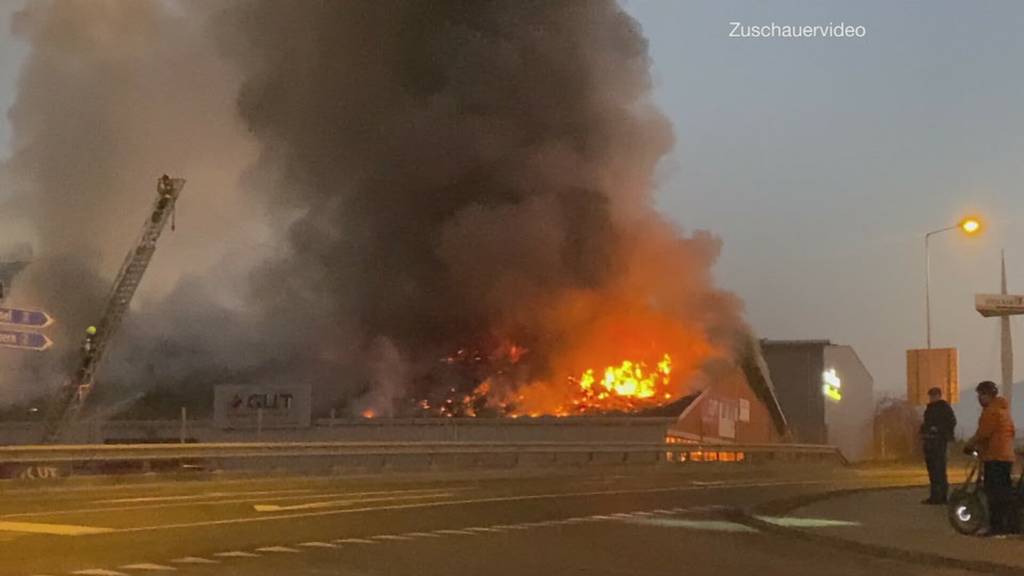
668, 522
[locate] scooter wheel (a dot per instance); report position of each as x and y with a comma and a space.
967, 512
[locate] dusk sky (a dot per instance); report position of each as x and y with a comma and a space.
822, 162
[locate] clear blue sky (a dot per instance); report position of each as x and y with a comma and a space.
822, 162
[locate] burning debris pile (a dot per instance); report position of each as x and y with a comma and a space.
463, 194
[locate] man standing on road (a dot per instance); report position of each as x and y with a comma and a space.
936, 430
994, 443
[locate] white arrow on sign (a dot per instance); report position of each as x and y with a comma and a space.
989, 305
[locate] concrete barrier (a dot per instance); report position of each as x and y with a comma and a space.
542, 429
336, 457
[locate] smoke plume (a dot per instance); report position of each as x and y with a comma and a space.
414, 178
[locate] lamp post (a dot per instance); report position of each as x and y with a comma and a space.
969, 226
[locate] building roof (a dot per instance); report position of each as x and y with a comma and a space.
760, 381
765, 342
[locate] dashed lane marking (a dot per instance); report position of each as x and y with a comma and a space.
355, 541
282, 549
455, 532
98, 572
147, 567
484, 529
203, 496
194, 560
153, 506
55, 529
391, 537
318, 545
236, 554
422, 535
346, 502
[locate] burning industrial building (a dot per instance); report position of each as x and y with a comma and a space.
458, 197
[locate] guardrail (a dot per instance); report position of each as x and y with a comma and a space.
100, 459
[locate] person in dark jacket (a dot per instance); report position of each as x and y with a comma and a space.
936, 431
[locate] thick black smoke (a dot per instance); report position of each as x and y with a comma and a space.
441, 175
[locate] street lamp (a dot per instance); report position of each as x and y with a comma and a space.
969, 226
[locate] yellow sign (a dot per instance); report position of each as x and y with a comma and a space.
933, 368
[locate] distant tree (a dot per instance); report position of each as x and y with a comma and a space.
897, 423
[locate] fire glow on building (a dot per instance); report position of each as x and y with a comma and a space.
498, 384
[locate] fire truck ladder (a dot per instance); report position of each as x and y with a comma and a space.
72, 395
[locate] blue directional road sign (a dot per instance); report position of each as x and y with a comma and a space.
19, 317
24, 340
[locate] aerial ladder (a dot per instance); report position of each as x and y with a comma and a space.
72, 395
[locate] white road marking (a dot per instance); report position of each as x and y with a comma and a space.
794, 522
194, 560
202, 496
156, 506
704, 525
55, 529
455, 532
355, 541
390, 537
662, 511
237, 554
98, 572
452, 503
318, 545
422, 535
278, 549
149, 567
483, 529
517, 527
599, 517
345, 502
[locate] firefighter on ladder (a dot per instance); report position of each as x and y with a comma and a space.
89, 344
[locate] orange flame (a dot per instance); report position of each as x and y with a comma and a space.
629, 379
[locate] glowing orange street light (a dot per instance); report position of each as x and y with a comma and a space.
970, 226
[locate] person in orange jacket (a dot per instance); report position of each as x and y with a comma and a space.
994, 443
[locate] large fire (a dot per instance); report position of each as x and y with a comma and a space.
626, 387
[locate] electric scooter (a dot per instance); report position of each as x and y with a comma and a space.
968, 507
